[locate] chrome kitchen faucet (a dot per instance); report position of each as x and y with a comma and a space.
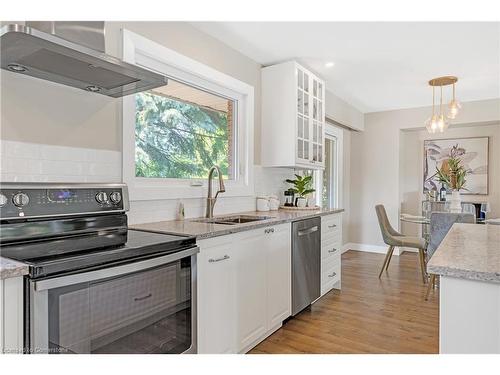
211, 201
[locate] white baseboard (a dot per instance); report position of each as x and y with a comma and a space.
369, 248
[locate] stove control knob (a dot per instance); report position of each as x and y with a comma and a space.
20, 199
101, 197
115, 197
3, 200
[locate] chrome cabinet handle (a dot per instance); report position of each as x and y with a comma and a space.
269, 230
333, 274
307, 231
332, 250
332, 226
143, 298
218, 259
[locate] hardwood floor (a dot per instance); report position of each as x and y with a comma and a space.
368, 316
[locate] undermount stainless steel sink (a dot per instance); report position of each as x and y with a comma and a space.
233, 220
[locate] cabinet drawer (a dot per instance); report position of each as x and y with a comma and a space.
132, 298
331, 227
328, 238
330, 262
331, 221
330, 249
331, 275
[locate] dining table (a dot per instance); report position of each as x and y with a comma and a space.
414, 219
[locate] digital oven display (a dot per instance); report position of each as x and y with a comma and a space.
61, 195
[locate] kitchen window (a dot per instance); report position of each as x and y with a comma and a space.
173, 135
181, 131
328, 182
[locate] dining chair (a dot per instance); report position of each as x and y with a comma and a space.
441, 223
393, 238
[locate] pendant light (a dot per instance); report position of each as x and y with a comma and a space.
454, 106
431, 123
439, 122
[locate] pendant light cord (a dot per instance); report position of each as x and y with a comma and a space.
441, 102
433, 100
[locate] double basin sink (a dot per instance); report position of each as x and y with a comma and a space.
233, 220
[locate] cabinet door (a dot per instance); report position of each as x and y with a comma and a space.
217, 331
303, 145
251, 288
318, 121
278, 247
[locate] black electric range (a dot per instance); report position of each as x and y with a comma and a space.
58, 229
94, 286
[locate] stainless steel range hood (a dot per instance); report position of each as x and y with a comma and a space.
72, 54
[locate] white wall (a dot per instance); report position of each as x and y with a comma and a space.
375, 163
342, 112
352, 120
346, 186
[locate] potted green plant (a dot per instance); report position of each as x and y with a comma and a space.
302, 187
452, 174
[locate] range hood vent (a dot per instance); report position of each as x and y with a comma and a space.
72, 54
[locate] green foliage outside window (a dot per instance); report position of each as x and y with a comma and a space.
176, 139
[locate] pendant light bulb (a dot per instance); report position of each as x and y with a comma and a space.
431, 123
454, 106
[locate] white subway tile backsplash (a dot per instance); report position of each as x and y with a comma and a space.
21, 150
31, 162
14, 165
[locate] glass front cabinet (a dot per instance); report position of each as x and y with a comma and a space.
293, 117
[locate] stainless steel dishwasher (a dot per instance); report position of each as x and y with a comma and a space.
306, 266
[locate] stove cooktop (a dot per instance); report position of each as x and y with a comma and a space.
89, 251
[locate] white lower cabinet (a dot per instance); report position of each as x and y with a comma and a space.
251, 287
331, 249
243, 288
11, 313
217, 313
279, 275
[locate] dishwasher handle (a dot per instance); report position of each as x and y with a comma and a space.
307, 231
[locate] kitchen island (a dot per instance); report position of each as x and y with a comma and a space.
468, 262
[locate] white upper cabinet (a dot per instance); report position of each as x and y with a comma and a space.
293, 117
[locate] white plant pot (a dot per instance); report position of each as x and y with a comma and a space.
301, 202
456, 202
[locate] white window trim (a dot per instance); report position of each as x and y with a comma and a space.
151, 55
337, 132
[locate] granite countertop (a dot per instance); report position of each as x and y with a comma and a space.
207, 230
10, 268
469, 251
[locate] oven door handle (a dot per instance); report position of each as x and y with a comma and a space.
113, 271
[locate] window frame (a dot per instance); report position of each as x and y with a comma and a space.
332, 131
151, 55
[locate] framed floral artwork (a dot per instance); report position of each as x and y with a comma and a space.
473, 152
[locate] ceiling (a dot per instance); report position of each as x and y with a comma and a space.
378, 65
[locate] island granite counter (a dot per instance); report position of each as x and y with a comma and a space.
206, 230
468, 261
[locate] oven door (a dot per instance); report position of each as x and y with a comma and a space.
148, 306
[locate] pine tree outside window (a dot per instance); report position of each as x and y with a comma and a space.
182, 131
